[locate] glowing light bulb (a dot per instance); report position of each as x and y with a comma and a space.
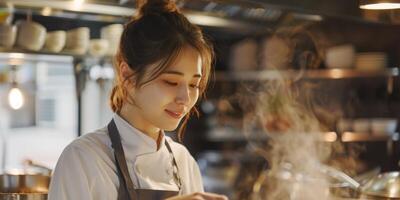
381, 6
78, 4
15, 98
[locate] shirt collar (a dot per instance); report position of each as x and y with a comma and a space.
134, 141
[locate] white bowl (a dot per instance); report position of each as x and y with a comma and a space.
340, 56
112, 33
362, 125
8, 34
31, 35
98, 47
77, 41
55, 41
382, 126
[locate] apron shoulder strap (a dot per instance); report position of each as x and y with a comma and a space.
126, 189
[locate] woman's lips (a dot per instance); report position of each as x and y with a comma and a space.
176, 115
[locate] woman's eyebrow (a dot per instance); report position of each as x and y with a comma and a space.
180, 73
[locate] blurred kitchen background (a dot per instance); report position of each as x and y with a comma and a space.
59, 55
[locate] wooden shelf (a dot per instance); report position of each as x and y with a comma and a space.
16, 56
369, 137
304, 74
230, 134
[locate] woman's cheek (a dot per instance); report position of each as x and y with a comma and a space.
194, 98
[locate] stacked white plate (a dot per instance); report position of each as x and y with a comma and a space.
371, 61
112, 33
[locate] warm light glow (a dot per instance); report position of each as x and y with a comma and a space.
336, 73
209, 20
380, 6
15, 98
78, 4
16, 58
330, 137
46, 11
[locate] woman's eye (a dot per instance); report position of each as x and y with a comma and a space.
171, 83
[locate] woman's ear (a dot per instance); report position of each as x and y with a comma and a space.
126, 71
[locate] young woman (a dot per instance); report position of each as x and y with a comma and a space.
162, 68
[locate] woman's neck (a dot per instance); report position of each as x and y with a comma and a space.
128, 112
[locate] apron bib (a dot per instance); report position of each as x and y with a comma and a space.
126, 190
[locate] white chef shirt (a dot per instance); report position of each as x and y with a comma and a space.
86, 169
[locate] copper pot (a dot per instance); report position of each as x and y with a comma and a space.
24, 187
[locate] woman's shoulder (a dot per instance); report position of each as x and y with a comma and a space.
95, 143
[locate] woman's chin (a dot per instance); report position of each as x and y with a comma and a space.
170, 128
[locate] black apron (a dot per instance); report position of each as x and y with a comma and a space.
126, 190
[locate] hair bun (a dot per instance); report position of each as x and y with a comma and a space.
146, 7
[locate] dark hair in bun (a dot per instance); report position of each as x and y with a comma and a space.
157, 35
147, 7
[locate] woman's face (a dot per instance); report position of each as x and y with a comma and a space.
163, 102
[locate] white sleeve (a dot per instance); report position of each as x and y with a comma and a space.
70, 180
197, 185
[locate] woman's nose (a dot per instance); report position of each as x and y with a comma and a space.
183, 96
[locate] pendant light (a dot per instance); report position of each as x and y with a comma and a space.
15, 96
379, 4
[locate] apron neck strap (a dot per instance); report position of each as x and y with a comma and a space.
120, 160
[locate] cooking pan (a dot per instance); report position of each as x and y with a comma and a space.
380, 186
24, 187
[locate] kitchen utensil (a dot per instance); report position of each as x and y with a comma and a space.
286, 183
24, 187
384, 185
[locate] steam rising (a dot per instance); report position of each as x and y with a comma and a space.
282, 110
294, 150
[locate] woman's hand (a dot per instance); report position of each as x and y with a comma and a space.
200, 196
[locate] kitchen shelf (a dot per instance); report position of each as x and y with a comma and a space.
230, 134
304, 74
368, 137
106, 9
17, 56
